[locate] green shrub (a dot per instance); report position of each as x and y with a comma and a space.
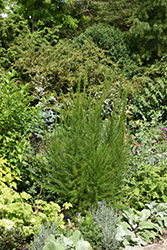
17, 120
11, 239
7, 177
58, 68
13, 29
147, 164
108, 38
150, 93
146, 185
150, 141
147, 35
85, 158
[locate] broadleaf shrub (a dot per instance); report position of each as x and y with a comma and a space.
150, 93
17, 119
19, 211
7, 177
146, 185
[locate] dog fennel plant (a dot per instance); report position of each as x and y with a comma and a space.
85, 157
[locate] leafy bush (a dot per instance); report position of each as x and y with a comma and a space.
17, 119
11, 239
19, 209
108, 220
146, 185
108, 38
7, 177
84, 159
145, 181
150, 140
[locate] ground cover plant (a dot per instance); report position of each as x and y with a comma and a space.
137, 228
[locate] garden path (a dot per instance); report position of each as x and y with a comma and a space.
156, 246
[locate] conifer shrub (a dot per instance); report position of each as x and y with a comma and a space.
85, 157
13, 30
11, 238
108, 38
58, 68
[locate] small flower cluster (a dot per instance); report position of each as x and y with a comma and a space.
162, 137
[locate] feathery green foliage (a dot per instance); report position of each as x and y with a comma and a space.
85, 157
118, 13
13, 30
150, 93
147, 37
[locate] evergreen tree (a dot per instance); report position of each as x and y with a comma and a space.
148, 36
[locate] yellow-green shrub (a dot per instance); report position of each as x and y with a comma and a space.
7, 177
18, 208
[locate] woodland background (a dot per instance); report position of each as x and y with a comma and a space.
83, 85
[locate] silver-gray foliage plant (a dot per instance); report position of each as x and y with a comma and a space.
108, 219
43, 233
